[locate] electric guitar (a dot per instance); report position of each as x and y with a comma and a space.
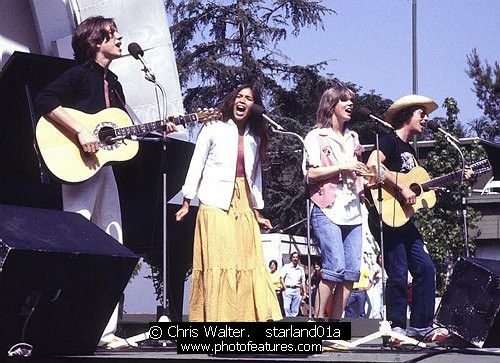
396, 213
112, 127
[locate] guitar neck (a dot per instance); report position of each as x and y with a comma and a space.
478, 168
442, 180
155, 125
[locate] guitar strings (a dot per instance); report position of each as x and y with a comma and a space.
108, 131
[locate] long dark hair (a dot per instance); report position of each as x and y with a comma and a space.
256, 124
88, 34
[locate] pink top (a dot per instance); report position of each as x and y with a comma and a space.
323, 192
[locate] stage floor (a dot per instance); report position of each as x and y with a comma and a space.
456, 350
373, 352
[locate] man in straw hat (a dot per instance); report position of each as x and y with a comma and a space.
404, 248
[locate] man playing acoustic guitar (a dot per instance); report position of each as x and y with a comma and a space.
90, 87
404, 248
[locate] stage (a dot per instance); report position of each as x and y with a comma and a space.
362, 355
456, 350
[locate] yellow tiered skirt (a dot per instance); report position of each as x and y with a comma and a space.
230, 281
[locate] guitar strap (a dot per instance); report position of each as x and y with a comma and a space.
133, 116
416, 161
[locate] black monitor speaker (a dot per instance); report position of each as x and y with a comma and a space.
60, 280
470, 307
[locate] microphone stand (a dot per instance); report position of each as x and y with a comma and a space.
292, 225
278, 129
149, 76
462, 195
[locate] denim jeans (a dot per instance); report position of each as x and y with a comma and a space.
291, 301
404, 251
341, 247
355, 307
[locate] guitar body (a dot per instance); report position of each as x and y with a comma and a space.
63, 154
393, 213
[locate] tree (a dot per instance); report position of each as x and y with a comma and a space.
486, 85
366, 128
484, 128
219, 45
442, 226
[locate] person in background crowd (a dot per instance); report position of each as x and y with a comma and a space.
293, 278
356, 304
276, 281
376, 291
315, 280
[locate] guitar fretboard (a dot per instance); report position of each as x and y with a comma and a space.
155, 125
442, 180
478, 168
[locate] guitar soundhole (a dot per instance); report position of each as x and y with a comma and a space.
416, 189
106, 136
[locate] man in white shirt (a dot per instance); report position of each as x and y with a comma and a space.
292, 277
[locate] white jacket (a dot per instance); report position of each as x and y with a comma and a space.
212, 170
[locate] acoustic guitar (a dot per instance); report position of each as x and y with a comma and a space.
112, 127
395, 213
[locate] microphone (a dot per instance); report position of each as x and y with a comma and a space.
365, 112
259, 111
433, 125
110, 140
136, 51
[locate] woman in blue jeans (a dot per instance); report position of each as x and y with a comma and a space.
335, 186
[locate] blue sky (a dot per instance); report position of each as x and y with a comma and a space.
370, 44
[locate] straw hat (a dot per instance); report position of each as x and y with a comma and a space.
407, 101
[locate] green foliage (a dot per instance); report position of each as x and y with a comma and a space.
135, 273
221, 44
442, 226
366, 128
486, 85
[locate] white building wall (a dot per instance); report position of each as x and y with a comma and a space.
17, 29
53, 20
